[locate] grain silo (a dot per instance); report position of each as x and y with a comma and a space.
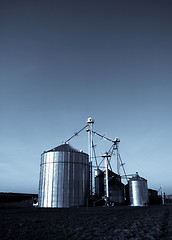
64, 178
99, 183
116, 187
138, 191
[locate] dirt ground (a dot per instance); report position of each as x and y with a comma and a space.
22, 221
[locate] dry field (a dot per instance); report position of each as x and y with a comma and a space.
22, 221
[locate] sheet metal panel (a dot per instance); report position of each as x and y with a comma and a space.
116, 194
64, 179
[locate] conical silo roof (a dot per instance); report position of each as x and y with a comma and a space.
63, 148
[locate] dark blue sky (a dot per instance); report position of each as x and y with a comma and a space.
63, 61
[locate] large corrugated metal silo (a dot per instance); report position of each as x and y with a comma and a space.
138, 191
64, 178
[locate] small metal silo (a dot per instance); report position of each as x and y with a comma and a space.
64, 178
116, 188
138, 191
99, 183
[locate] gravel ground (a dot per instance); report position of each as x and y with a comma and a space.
22, 221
